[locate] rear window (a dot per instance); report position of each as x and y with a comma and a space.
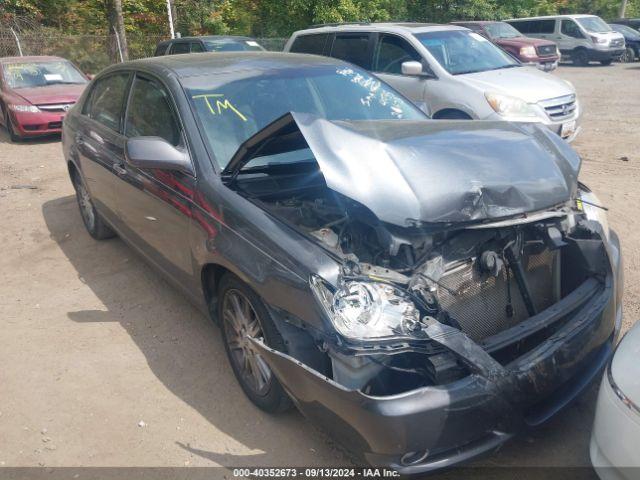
161, 49
313, 44
535, 26
107, 100
352, 48
182, 47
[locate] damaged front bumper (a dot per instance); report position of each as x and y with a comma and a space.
438, 426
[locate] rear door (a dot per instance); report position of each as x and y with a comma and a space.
155, 204
100, 141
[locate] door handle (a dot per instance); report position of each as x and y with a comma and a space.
119, 169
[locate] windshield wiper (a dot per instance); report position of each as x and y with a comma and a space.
507, 66
62, 82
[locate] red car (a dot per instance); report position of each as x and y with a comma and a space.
543, 54
36, 93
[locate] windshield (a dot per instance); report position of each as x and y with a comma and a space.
628, 31
233, 107
232, 45
593, 24
41, 74
501, 30
460, 52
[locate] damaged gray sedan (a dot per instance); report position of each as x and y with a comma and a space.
422, 290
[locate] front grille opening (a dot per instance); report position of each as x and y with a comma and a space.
53, 125
478, 302
31, 128
546, 50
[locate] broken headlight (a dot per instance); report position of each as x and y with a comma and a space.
363, 310
592, 207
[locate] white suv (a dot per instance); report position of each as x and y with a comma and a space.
449, 71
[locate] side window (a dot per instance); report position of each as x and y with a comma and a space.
180, 47
546, 26
107, 99
522, 27
150, 114
390, 52
310, 44
352, 48
196, 47
569, 28
161, 49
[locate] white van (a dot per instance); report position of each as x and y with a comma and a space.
582, 38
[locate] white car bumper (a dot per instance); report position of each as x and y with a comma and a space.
615, 440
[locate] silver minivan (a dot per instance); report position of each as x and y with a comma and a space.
449, 71
581, 38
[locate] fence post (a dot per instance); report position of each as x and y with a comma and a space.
15, 35
118, 43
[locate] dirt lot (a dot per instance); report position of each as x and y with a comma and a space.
104, 364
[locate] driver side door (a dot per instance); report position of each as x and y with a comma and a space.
389, 52
154, 204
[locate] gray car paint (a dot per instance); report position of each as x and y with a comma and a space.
417, 172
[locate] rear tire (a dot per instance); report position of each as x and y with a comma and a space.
92, 220
606, 63
580, 58
628, 56
13, 136
242, 314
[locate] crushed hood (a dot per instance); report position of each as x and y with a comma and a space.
415, 172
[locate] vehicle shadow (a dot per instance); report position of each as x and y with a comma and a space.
182, 348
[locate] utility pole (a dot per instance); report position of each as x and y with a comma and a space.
116, 24
623, 8
170, 14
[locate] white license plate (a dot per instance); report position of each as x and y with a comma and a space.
568, 129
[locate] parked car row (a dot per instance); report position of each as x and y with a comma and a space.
451, 71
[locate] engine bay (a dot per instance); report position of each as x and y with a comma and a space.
481, 279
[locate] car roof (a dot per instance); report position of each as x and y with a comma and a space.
207, 37
398, 27
551, 17
477, 22
195, 64
30, 59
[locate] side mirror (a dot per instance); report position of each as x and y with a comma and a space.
156, 152
415, 69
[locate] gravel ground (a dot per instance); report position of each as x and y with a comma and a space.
104, 364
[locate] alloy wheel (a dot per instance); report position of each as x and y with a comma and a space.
86, 206
240, 324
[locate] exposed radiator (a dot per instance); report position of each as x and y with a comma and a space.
479, 301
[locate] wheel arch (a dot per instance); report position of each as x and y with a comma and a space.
445, 112
210, 276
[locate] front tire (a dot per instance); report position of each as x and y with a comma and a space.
92, 220
13, 136
580, 58
242, 314
628, 56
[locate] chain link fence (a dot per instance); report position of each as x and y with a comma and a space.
91, 52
